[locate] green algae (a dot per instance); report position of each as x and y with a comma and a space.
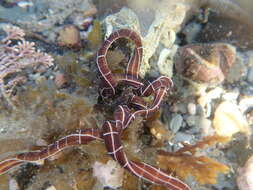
95, 36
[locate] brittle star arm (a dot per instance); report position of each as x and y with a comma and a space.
79, 138
144, 171
110, 81
160, 88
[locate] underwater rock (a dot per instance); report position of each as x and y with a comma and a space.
205, 99
229, 30
176, 123
231, 95
69, 36
205, 126
51, 188
161, 22
246, 103
13, 184
109, 174
239, 69
210, 21
229, 120
207, 96
91, 11
245, 176
191, 108
183, 137
192, 120
205, 63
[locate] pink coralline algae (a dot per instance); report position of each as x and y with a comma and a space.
16, 54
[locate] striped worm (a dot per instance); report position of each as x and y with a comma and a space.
79, 138
110, 80
111, 130
123, 117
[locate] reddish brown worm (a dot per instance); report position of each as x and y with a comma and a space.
159, 88
79, 138
141, 170
110, 81
123, 116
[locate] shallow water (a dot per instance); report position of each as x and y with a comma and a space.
205, 48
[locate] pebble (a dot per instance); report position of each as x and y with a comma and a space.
90, 12
13, 184
181, 107
191, 107
109, 174
183, 137
25, 4
246, 103
238, 70
229, 120
214, 93
205, 126
191, 120
247, 89
206, 108
176, 123
41, 142
231, 96
51, 188
205, 100
69, 36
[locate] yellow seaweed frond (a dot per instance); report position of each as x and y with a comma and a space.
130, 182
185, 162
